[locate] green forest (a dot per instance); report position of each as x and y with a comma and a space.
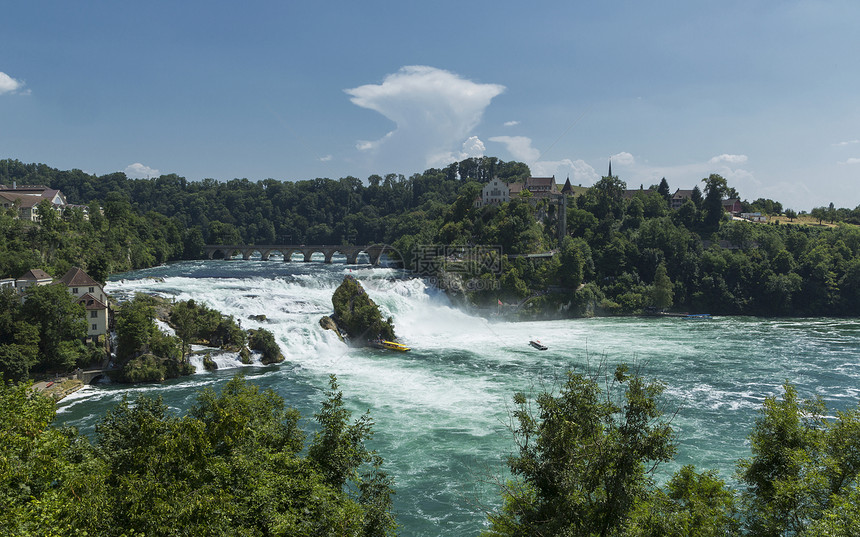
621, 254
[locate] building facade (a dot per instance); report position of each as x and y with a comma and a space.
26, 199
495, 192
92, 295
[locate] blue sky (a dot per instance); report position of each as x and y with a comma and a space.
765, 93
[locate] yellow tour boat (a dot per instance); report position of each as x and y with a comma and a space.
390, 345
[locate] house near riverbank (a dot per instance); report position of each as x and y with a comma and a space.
641, 191
732, 206
92, 295
84, 288
752, 217
33, 277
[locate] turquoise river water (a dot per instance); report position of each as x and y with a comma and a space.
441, 410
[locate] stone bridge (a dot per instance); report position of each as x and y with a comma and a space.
91, 375
230, 251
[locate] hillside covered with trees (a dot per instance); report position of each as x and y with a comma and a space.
622, 253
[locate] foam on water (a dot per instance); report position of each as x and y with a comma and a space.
223, 359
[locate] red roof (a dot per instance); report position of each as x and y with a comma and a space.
36, 274
541, 183
24, 200
91, 303
75, 277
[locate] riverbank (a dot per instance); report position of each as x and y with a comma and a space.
58, 388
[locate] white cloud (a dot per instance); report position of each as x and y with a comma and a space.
848, 142
579, 171
852, 160
511, 123
731, 159
9, 84
473, 147
139, 171
433, 110
326, 158
520, 147
624, 159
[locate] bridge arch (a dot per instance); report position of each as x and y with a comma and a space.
225, 252
375, 251
248, 253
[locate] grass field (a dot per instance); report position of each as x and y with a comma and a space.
803, 220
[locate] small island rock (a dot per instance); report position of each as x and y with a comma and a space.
356, 316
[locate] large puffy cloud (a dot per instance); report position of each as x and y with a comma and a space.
9, 84
434, 112
139, 171
473, 147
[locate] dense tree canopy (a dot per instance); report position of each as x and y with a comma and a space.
584, 457
715, 265
234, 465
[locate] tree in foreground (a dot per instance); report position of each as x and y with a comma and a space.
585, 462
802, 477
32, 456
232, 466
585, 457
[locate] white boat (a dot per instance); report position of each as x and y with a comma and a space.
538, 345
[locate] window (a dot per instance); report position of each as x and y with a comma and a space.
94, 314
95, 328
91, 289
74, 290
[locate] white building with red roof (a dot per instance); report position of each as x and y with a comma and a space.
33, 277
91, 294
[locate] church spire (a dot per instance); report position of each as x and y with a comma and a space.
610, 167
